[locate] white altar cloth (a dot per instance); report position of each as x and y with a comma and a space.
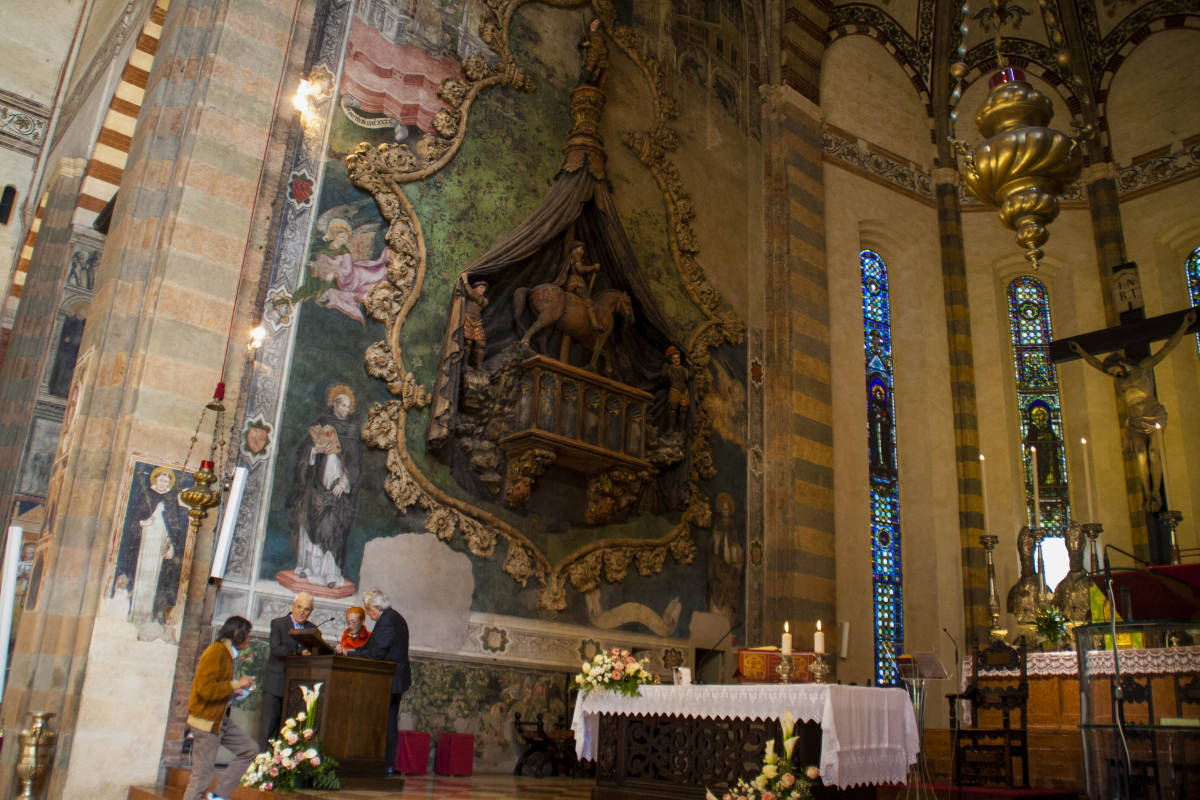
868, 735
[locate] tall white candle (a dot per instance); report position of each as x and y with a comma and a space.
1162, 457
983, 490
1037, 516
787, 641
1089, 479
819, 640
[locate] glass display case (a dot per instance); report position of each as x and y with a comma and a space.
1140, 708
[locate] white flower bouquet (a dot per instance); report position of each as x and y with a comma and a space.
779, 779
617, 670
295, 760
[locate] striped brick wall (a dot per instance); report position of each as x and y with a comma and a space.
962, 390
116, 133
22, 271
156, 338
798, 426
111, 147
803, 44
25, 359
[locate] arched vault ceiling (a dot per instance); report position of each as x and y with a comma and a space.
1096, 30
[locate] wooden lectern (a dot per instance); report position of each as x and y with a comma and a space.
352, 710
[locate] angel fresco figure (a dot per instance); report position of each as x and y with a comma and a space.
1135, 384
343, 272
323, 497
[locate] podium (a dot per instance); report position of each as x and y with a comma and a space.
352, 710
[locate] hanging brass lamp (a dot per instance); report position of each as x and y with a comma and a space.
1022, 166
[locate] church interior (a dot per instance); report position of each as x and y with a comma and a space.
585, 324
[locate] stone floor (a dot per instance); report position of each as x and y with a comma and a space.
478, 787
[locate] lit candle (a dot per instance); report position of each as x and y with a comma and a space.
819, 640
1162, 457
1089, 480
1036, 496
787, 641
983, 489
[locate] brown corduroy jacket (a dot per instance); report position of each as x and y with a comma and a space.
212, 686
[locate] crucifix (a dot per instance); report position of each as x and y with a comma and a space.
1130, 364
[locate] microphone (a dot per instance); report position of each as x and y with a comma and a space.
326, 622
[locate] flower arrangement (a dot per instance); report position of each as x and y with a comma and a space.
779, 779
295, 760
617, 670
1051, 625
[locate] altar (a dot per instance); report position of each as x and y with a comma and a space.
674, 741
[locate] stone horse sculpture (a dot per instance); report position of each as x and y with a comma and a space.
554, 307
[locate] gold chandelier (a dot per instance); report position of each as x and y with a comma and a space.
1022, 166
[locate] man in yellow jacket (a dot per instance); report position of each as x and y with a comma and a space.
213, 686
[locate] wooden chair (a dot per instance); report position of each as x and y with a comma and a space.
547, 752
1135, 710
985, 745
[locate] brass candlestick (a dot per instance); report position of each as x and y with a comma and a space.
989, 540
1092, 531
784, 669
819, 668
33, 763
1172, 519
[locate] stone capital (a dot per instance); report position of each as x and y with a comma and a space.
947, 175
781, 100
1101, 171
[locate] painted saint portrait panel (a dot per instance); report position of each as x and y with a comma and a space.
145, 584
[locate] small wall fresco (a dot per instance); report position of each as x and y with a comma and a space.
145, 587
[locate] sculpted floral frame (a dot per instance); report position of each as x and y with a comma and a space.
383, 171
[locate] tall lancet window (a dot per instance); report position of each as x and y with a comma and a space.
884, 480
1193, 279
1042, 441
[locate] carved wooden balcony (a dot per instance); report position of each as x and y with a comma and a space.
581, 421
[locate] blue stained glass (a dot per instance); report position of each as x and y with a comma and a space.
1193, 281
1037, 399
884, 477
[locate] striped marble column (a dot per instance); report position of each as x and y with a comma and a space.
962, 395
154, 345
798, 551
1109, 235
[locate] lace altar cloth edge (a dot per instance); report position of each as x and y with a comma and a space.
868, 735
1150, 661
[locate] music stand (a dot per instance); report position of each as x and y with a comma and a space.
310, 639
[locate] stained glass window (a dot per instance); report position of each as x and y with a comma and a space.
1193, 279
1042, 441
884, 476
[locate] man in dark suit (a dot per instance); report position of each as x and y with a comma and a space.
388, 642
282, 646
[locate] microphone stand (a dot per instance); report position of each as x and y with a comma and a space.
1120, 756
957, 712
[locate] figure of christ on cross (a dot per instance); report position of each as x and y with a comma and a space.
1135, 384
